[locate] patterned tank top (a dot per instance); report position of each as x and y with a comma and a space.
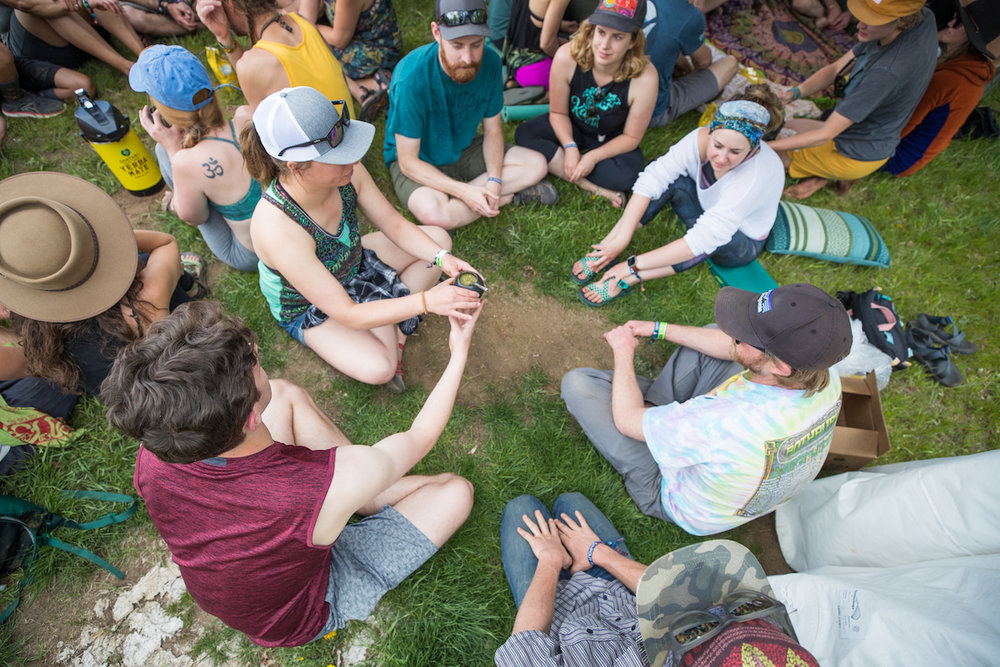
340, 253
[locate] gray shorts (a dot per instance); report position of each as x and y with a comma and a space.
470, 164
686, 93
370, 558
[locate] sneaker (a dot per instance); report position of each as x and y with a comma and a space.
542, 192
29, 105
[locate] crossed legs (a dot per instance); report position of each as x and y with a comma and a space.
371, 356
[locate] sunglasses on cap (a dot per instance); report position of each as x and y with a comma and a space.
756, 347
335, 136
458, 17
694, 628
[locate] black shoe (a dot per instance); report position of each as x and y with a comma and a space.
935, 358
29, 105
542, 192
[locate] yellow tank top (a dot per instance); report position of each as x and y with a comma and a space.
311, 63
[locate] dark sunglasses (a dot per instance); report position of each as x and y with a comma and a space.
694, 628
335, 136
458, 17
756, 347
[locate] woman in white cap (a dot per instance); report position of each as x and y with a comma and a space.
77, 281
723, 182
350, 298
198, 151
602, 89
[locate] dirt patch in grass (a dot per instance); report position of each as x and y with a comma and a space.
519, 330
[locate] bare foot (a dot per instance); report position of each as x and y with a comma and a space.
166, 200
805, 189
616, 198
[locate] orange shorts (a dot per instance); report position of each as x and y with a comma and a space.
824, 161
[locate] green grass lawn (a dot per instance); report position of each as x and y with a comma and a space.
942, 231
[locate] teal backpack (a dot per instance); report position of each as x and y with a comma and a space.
25, 526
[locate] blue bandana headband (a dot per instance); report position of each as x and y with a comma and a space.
748, 118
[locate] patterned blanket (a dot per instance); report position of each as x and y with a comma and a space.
769, 35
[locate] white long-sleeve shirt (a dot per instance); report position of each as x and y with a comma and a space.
745, 198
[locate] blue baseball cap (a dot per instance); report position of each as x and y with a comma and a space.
173, 76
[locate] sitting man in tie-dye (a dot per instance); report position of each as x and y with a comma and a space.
740, 418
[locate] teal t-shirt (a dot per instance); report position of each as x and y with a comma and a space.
425, 104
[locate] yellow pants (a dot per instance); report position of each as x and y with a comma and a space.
824, 161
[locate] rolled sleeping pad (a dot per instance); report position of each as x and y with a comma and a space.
523, 111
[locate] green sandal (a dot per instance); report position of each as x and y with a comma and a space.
588, 273
602, 291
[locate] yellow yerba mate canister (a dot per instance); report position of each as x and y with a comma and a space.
111, 135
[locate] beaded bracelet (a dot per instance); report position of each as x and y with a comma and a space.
495, 180
228, 49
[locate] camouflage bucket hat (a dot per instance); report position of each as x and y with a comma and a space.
697, 577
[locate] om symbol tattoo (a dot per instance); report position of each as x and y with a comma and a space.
212, 168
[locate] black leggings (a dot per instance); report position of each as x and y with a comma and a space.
615, 173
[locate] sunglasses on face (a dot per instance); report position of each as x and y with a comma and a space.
458, 17
694, 628
756, 347
335, 136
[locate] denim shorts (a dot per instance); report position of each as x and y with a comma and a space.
311, 318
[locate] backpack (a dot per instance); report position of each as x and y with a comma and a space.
880, 322
24, 526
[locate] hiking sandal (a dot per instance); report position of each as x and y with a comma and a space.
194, 265
942, 330
383, 78
372, 103
602, 291
935, 358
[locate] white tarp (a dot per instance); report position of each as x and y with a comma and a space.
897, 565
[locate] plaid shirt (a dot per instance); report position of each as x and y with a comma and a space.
594, 624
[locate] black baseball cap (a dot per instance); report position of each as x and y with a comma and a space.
800, 324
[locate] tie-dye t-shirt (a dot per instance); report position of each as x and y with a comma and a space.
739, 451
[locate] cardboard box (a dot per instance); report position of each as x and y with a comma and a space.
860, 435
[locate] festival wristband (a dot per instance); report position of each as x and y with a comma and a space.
495, 180
590, 552
796, 93
570, 145
439, 257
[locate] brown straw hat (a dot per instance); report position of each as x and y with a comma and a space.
67, 251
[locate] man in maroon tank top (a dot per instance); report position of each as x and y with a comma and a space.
251, 486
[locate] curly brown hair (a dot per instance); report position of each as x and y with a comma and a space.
45, 343
582, 49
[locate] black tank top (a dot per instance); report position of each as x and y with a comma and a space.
597, 112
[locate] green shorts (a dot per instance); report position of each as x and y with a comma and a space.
470, 165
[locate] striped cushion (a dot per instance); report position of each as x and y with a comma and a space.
824, 234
